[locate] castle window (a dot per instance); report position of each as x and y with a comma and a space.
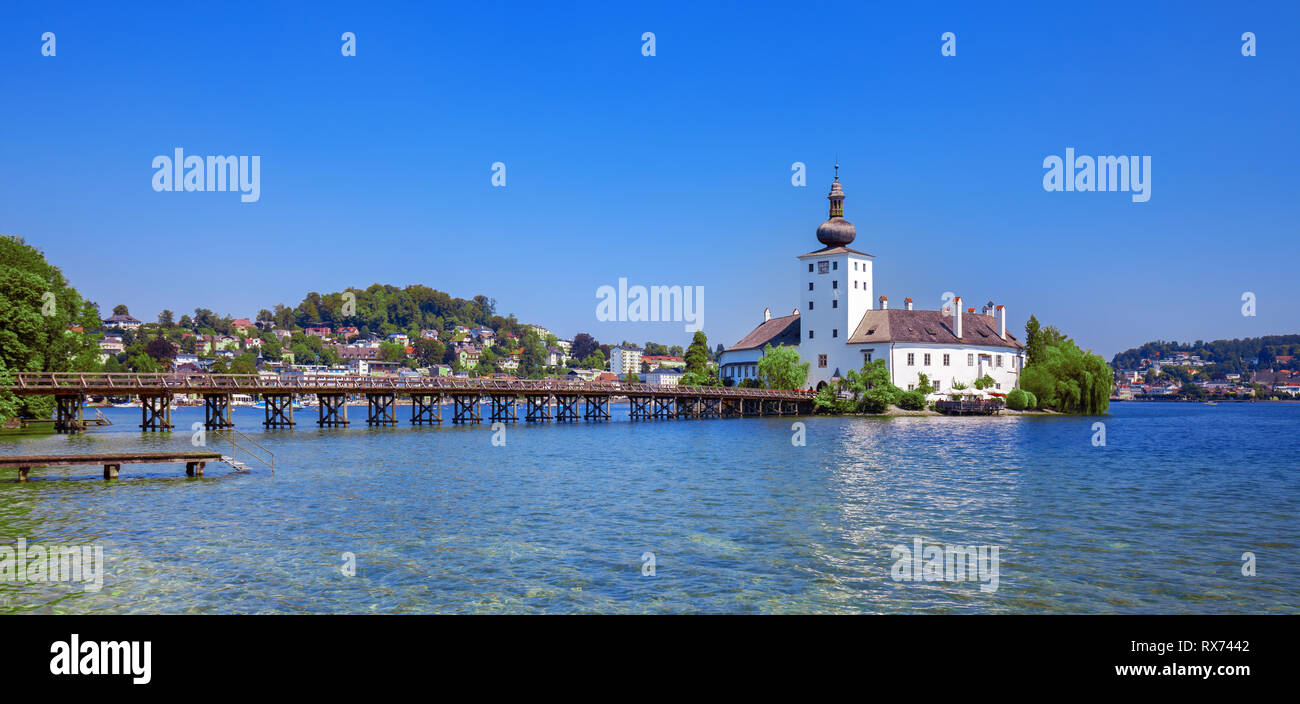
970, 360
810, 334
835, 332
935, 385
835, 283
810, 305
810, 285
809, 267
999, 360
927, 359
821, 360
835, 266
945, 360
835, 303
911, 359
866, 355
823, 267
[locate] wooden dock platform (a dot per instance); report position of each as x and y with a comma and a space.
111, 461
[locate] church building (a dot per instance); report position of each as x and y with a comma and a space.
838, 325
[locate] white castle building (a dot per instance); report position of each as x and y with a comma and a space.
842, 326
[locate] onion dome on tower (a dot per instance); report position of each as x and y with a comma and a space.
836, 232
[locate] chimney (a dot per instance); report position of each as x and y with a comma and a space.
767, 314
795, 312
956, 315
1002, 317
907, 303
884, 303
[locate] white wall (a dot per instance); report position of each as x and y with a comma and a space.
848, 280
748, 361
985, 361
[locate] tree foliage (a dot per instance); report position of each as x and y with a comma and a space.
39, 316
781, 367
698, 372
1063, 377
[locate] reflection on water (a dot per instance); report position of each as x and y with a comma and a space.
738, 518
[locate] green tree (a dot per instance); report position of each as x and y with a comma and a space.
392, 351
1065, 378
120, 309
781, 368
244, 364
40, 314
698, 372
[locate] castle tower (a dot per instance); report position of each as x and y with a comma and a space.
835, 287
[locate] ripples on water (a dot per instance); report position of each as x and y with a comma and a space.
739, 519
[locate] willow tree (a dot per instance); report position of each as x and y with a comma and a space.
1064, 377
781, 367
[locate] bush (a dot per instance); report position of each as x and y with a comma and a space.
1017, 400
911, 401
1032, 403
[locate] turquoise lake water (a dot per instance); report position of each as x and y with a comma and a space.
559, 519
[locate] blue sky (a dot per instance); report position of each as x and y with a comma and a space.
671, 169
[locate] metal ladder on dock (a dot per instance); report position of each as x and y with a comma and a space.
236, 464
229, 435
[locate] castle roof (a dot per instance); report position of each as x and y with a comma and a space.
930, 326
777, 331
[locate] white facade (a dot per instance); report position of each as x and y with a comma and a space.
624, 359
945, 365
738, 366
663, 377
835, 292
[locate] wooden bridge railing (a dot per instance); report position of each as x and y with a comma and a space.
47, 383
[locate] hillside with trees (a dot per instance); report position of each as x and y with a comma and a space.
1230, 356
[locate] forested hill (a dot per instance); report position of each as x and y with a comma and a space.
1230, 353
383, 308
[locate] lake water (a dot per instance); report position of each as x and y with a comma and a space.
738, 519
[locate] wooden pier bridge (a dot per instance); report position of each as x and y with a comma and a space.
542, 400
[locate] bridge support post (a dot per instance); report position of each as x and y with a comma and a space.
502, 408
68, 416
566, 408
111, 470
663, 408
333, 410
426, 408
216, 411
279, 410
156, 412
638, 407
193, 469
382, 409
538, 409
596, 408
730, 407
22, 473
465, 409
709, 407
